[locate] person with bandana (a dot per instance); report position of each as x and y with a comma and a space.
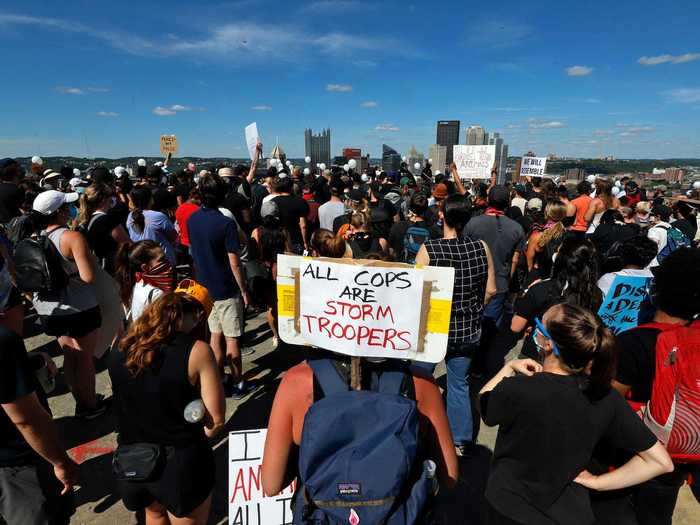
144, 274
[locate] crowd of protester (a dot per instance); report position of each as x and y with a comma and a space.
155, 271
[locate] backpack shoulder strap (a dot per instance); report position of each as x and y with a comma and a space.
328, 377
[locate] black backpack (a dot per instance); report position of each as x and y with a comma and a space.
38, 266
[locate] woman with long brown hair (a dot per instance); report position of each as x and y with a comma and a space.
162, 368
604, 200
544, 241
552, 416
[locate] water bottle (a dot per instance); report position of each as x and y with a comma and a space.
194, 411
431, 472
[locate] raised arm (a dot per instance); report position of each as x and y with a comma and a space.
458, 182
254, 165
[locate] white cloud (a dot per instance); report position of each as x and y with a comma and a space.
369, 104
339, 88
579, 71
180, 107
163, 112
673, 59
70, 90
684, 95
387, 127
632, 130
261, 108
545, 124
107, 114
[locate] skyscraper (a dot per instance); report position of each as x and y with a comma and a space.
477, 136
501, 156
391, 160
439, 155
318, 147
411, 158
448, 136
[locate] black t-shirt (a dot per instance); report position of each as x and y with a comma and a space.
636, 361
548, 431
605, 235
340, 220
291, 209
382, 214
398, 232
16, 381
10, 199
236, 204
100, 240
534, 303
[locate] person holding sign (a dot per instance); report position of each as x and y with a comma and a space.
552, 416
475, 284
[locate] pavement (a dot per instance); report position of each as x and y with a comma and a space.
91, 443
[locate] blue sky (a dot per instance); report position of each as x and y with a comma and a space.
572, 78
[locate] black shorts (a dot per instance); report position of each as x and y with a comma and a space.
185, 482
73, 325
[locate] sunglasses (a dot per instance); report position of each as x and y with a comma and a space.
540, 329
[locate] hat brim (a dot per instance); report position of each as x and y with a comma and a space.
71, 197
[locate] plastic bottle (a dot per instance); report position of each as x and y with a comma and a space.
431, 472
194, 411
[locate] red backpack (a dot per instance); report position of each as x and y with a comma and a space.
673, 412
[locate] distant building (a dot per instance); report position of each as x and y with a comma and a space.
439, 155
411, 158
669, 175
278, 153
318, 147
476, 136
391, 160
497, 141
356, 154
577, 174
448, 136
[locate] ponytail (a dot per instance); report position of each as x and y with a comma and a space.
94, 195
138, 219
328, 245
140, 199
128, 261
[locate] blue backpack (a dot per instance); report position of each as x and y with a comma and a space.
675, 239
358, 460
413, 239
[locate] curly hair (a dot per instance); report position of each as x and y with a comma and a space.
155, 328
576, 271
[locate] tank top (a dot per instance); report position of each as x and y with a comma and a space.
468, 258
78, 296
150, 406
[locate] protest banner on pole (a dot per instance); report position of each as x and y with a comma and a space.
168, 144
252, 137
365, 308
474, 162
248, 503
533, 166
623, 302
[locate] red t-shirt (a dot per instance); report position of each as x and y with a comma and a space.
182, 215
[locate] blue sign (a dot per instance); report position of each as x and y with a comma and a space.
623, 303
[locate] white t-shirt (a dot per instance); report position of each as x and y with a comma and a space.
143, 295
659, 235
328, 212
605, 282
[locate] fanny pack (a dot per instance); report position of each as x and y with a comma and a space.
138, 462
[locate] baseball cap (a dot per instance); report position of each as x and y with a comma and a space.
226, 172
37, 160
534, 204
520, 188
407, 181
499, 197
49, 201
440, 191
196, 291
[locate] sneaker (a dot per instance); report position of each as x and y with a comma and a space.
92, 413
247, 351
275, 342
240, 393
465, 450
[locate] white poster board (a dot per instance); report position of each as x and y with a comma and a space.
168, 144
355, 310
252, 138
248, 504
372, 319
533, 166
474, 162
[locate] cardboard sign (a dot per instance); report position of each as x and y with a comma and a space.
365, 308
474, 162
623, 302
252, 137
248, 503
533, 166
168, 144
360, 311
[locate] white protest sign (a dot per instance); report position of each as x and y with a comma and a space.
533, 166
248, 504
252, 138
168, 144
474, 162
354, 310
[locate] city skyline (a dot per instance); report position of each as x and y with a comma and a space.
95, 80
